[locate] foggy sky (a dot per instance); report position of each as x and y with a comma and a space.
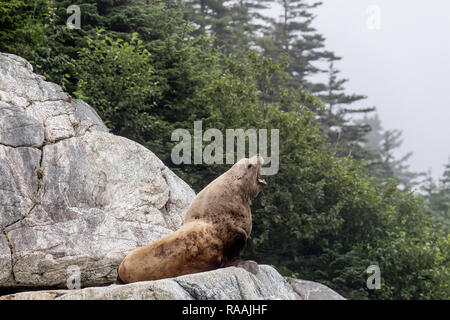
403, 68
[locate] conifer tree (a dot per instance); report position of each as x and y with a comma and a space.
247, 24
437, 198
382, 161
234, 23
293, 34
212, 17
445, 180
344, 135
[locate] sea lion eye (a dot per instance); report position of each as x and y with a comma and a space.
249, 166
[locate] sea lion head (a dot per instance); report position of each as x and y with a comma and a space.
246, 173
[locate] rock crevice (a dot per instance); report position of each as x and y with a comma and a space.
8, 242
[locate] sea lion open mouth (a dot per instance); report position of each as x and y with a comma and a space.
258, 179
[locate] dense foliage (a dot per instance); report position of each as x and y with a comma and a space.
149, 67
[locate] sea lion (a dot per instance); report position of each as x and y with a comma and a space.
213, 234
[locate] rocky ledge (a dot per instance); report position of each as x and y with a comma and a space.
222, 284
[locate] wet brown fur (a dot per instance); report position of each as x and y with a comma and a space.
214, 232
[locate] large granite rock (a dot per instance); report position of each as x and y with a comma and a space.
71, 194
222, 284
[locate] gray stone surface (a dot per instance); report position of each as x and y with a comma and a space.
34, 111
18, 182
71, 193
5, 261
309, 290
227, 284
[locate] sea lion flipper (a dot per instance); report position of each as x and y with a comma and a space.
118, 280
236, 243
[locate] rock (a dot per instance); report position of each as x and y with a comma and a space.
17, 128
221, 284
225, 284
18, 182
309, 290
5, 261
73, 195
35, 295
